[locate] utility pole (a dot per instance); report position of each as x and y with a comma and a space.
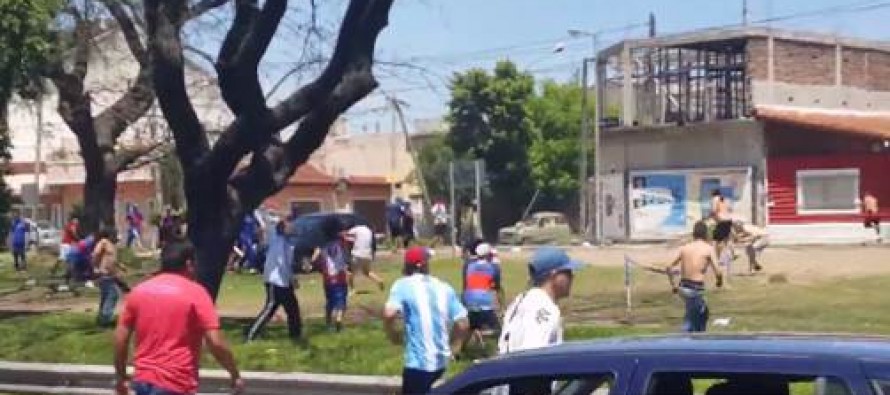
582, 170
745, 12
652, 25
37, 156
397, 106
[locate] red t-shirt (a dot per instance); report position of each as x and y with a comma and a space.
69, 236
170, 315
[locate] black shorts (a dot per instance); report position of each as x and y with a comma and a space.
484, 319
441, 230
723, 230
872, 221
395, 230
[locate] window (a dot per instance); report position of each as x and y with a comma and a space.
306, 206
830, 191
743, 383
594, 384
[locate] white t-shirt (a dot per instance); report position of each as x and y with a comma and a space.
533, 320
363, 236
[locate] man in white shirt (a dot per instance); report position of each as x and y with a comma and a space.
533, 320
363, 255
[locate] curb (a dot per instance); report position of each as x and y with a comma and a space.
44, 378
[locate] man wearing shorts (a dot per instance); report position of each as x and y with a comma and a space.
363, 255
332, 262
18, 240
69, 237
870, 209
482, 291
440, 222
720, 214
394, 216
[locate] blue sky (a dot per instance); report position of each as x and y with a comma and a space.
445, 36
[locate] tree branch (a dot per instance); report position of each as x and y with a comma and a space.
243, 48
165, 20
351, 67
130, 107
203, 6
130, 158
128, 28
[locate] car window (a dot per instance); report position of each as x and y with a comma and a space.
594, 384
680, 383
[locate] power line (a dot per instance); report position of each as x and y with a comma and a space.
843, 8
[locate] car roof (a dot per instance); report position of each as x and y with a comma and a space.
828, 345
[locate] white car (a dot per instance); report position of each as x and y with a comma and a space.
43, 235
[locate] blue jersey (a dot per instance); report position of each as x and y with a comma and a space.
394, 213
429, 307
481, 279
248, 228
19, 232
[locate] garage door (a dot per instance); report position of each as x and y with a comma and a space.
374, 211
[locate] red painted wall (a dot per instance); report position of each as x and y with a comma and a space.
874, 176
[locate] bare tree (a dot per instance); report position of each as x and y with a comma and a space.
250, 161
98, 134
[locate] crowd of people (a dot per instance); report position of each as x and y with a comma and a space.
434, 322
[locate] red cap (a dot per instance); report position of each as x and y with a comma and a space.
417, 256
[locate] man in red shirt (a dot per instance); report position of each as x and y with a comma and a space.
172, 315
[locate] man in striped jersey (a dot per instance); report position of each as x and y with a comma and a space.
430, 309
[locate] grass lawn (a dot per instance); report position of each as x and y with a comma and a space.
595, 310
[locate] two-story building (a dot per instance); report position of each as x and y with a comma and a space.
791, 127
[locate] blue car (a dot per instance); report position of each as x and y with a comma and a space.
689, 365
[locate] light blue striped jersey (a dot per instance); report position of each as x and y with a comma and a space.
429, 308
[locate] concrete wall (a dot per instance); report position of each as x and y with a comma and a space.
821, 96
706, 145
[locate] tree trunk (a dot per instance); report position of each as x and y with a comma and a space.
99, 193
214, 218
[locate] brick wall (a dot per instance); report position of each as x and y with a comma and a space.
814, 64
804, 63
758, 59
878, 71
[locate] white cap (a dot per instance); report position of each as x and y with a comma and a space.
483, 249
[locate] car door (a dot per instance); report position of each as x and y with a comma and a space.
570, 375
705, 372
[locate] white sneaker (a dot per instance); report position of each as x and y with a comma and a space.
63, 288
89, 284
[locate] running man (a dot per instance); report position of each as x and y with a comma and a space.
280, 289
134, 225
332, 262
694, 259
363, 255
440, 222
755, 239
723, 218
482, 292
104, 259
394, 216
430, 309
169, 339
69, 238
870, 209
534, 320
18, 242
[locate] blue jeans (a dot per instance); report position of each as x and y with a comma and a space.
696, 319
109, 295
142, 388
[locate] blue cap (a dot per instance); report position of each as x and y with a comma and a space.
549, 259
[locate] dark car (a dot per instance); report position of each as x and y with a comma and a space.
689, 365
316, 230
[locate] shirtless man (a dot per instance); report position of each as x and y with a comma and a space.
105, 262
720, 214
694, 259
755, 239
870, 209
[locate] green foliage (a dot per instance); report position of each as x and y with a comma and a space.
489, 120
555, 115
434, 159
24, 43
